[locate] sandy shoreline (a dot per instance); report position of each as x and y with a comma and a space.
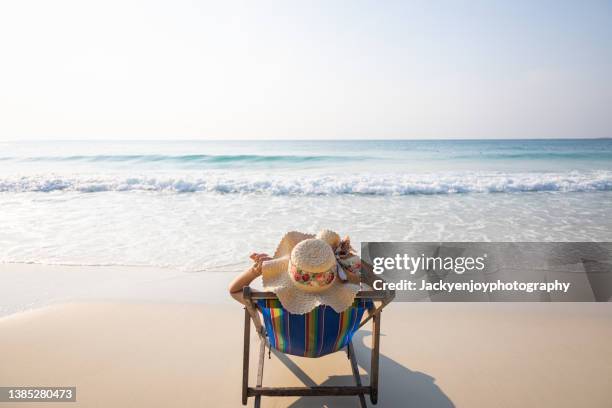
437, 355
29, 286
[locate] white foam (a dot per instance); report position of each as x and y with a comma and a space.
322, 184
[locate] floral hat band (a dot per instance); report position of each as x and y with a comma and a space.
311, 279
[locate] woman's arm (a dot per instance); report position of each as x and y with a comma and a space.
246, 277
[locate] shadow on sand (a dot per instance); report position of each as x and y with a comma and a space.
398, 385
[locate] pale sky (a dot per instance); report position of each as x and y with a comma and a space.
259, 69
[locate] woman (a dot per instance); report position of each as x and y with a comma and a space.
306, 271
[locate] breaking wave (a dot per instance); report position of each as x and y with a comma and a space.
330, 184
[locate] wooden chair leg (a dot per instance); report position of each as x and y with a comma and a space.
351, 352
375, 358
245, 356
260, 368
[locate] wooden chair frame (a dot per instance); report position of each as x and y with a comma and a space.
251, 314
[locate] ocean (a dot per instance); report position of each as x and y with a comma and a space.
204, 205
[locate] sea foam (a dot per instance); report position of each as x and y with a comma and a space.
321, 184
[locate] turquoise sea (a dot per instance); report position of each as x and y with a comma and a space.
203, 206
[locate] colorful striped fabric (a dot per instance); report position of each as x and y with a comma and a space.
315, 334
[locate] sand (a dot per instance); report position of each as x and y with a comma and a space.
126, 354
30, 286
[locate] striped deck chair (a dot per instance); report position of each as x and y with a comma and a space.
315, 334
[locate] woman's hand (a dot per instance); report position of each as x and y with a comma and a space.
259, 259
246, 277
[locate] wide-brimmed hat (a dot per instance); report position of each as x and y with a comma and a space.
308, 271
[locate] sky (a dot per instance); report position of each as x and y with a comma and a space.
76, 69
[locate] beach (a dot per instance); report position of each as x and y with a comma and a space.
115, 261
137, 348
136, 352
448, 163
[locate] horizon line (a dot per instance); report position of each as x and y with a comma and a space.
299, 139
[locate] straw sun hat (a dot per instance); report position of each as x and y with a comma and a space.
308, 271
